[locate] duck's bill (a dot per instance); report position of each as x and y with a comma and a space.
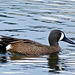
68, 40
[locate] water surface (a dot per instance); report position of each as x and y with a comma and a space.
34, 19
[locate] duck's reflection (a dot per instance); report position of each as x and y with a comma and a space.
3, 58
53, 60
54, 63
18, 57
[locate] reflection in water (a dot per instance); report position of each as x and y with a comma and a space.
3, 58
50, 63
53, 62
18, 56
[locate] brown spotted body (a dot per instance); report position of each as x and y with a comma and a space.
32, 48
29, 47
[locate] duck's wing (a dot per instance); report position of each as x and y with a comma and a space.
6, 40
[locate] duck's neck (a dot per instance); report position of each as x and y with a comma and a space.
53, 41
54, 44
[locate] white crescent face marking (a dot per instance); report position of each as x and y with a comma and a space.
62, 36
8, 47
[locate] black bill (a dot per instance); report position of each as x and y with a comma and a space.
68, 40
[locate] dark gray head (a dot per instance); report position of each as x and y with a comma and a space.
57, 35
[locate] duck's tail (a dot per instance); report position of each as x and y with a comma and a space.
4, 41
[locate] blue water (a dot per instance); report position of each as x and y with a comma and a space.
34, 19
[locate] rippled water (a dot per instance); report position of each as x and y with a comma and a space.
34, 19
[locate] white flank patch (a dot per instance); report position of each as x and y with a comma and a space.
8, 47
62, 36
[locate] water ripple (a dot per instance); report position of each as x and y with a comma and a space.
34, 19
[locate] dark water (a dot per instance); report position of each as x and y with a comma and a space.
34, 19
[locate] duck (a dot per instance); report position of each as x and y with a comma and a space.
30, 47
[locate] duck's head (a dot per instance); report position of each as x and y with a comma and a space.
57, 35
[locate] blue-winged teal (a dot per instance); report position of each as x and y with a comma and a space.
29, 47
